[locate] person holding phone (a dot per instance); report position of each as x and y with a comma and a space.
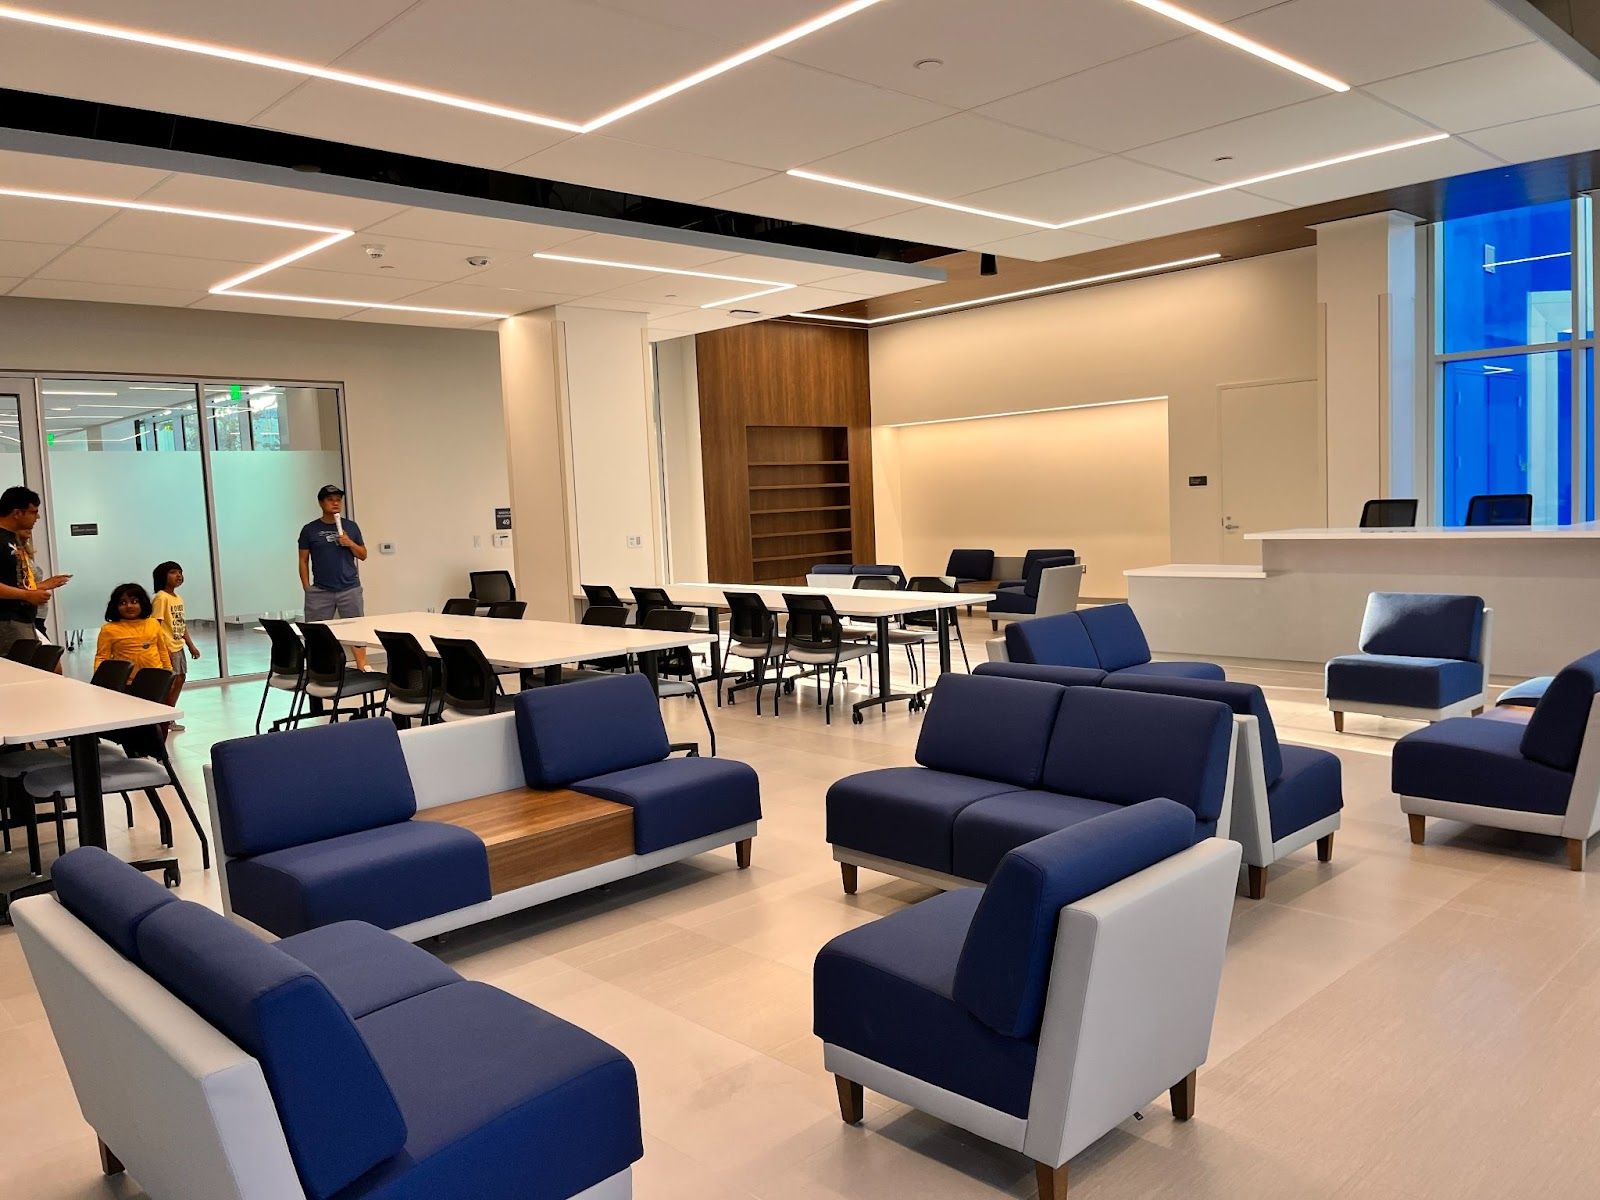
330, 548
21, 593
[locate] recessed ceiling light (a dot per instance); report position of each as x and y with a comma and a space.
1249, 45
48, 392
768, 286
58, 408
928, 64
1035, 223
273, 62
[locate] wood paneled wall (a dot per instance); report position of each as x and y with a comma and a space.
774, 374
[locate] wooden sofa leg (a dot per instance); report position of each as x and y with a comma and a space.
1052, 1181
852, 1100
1338, 722
1182, 1094
1577, 849
1418, 825
109, 1162
1257, 889
1325, 848
851, 876
741, 853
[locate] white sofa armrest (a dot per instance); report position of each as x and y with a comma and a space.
1583, 805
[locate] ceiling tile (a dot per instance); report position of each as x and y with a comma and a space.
872, 283
737, 19
380, 316
197, 237
1438, 160
7, 283
106, 293
332, 285
950, 157
277, 308
484, 299
1493, 89
646, 251
776, 114
806, 201
92, 265
1173, 89
939, 227
1541, 137
75, 176
683, 291
542, 275
699, 320
1190, 214
1046, 244
266, 200
403, 258
1091, 187
24, 258
461, 229
988, 50
1362, 40
650, 309
805, 299
778, 270
313, 30
596, 160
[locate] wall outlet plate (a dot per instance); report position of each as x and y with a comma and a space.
635, 541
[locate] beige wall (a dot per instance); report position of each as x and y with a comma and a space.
678, 381
426, 453
1178, 335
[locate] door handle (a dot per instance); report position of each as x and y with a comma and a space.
1229, 525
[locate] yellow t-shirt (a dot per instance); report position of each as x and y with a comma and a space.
167, 609
142, 643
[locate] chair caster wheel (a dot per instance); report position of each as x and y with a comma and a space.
171, 877
855, 718
788, 687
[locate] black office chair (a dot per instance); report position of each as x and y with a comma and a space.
926, 623
675, 668
601, 595
818, 638
471, 688
753, 635
112, 674
508, 610
1508, 508
23, 651
286, 670
460, 606
898, 634
329, 677
650, 599
1389, 514
491, 587
46, 657
413, 682
612, 616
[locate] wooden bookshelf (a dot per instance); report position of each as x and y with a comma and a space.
806, 470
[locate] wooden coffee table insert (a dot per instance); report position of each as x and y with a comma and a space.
534, 835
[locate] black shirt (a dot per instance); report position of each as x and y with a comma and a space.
11, 573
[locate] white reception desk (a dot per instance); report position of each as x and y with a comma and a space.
1304, 603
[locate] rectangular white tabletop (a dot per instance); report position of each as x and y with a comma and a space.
524, 644
1584, 531
15, 672
53, 706
848, 602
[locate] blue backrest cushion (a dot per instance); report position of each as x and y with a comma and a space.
1004, 968
107, 895
1033, 556
1059, 641
1423, 625
308, 785
338, 1113
1034, 576
590, 728
1245, 699
1555, 731
1124, 747
1117, 636
1044, 673
878, 569
831, 569
970, 564
992, 728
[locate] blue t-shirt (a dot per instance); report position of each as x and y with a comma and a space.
333, 567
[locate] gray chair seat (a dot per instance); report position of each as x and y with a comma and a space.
411, 708
284, 683
741, 650
356, 683
118, 775
502, 704
847, 653
24, 762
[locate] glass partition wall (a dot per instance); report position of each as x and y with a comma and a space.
215, 475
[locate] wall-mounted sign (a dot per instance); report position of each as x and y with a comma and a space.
502, 518
1197, 481
85, 530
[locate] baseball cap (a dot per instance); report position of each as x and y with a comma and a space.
329, 489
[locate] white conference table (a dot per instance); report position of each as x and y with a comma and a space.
869, 604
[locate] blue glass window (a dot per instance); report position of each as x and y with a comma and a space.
1507, 427
1507, 278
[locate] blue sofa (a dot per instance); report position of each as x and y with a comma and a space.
1043, 1010
340, 1063
1424, 657
320, 825
1107, 638
1539, 775
1020, 597
1003, 761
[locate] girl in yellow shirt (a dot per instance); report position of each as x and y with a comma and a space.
131, 633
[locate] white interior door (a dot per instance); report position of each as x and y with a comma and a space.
1273, 462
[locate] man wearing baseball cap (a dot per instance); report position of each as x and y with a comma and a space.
330, 548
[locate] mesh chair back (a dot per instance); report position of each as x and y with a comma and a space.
410, 673
45, 657
469, 679
113, 674
288, 651
1511, 508
1388, 514
23, 651
491, 587
508, 610
677, 661
928, 619
649, 600
324, 655
813, 624
603, 595
610, 615
460, 606
750, 621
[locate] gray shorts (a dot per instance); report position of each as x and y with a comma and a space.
323, 605
12, 632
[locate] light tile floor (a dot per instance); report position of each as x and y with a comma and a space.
1403, 1022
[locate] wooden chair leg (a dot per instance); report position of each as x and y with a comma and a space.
1052, 1181
852, 1100
850, 875
1182, 1094
1577, 849
741, 853
1418, 823
1338, 722
1325, 848
109, 1162
1257, 889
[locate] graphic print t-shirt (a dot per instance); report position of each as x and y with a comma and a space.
17, 571
333, 567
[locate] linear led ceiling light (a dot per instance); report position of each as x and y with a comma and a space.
1037, 291
231, 287
768, 286
1024, 412
273, 62
1035, 223
1249, 45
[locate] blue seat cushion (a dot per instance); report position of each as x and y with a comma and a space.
1118, 639
387, 877
367, 968
1405, 682
1004, 967
1061, 676
1059, 640
1013, 600
1245, 699
107, 895
886, 991
308, 785
1124, 747
1422, 625
1310, 789
335, 1105
592, 728
1470, 760
502, 1100
680, 799
1175, 669
1526, 694
904, 813
1555, 731
966, 566
987, 831
989, 727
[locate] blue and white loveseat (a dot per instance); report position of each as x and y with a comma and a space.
341, 1063
1107, 638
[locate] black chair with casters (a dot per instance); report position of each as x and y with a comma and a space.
113, 674
471, 687
508, 610
460, 606
491, 587
675, 668
1389, 514
603, 595
926, 623
818, 639
413, 687
46, 657
612, 616
329, 677
286, 670
898, 634
23, 651
753, 635
648, 599
1507, 508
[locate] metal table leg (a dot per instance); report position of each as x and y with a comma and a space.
886, 696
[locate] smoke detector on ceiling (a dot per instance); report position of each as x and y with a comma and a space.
374, 251
477, 260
